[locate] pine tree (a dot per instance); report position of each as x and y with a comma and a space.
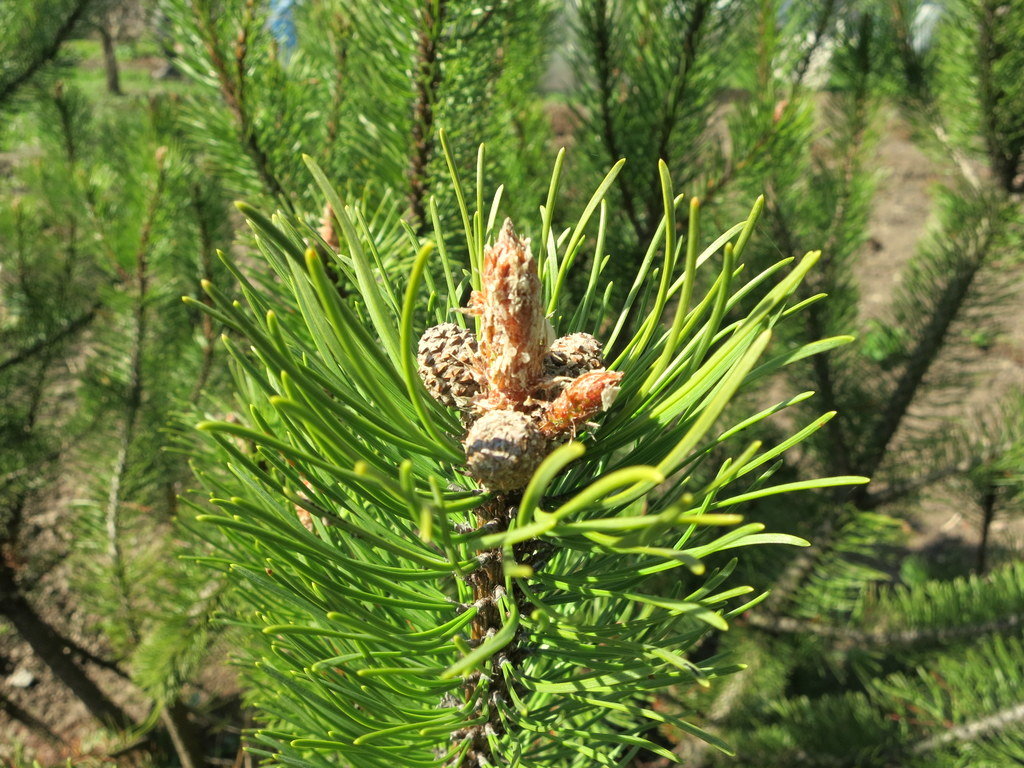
655, 82
148, 361
47, 306
846, 670
415, 547
462, 597
102, 356
32, 37
364, 88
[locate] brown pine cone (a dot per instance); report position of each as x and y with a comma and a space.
503, 448
573, 355
448, 359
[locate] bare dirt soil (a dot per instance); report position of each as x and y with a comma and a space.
942, 526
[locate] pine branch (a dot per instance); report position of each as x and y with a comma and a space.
958, 156
844, 638
699, 18
913, 67
339, 29
48, 344
923, 103
734, 168
715, 187
643, 205
487, 583
972, 731
1004, 146
931, 339
206, 251
803, 564
600, 30
66, 28
524, 622
67, 128
184, 736
821, 26
697, 753
233, 91
821, 365
427, 76
133, 404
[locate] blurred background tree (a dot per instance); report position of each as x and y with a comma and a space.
871, 649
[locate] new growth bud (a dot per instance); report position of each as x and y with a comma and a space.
520, 391
582, 399
514, 332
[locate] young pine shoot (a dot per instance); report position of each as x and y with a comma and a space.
480, 517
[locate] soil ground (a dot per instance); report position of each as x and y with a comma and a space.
903, 211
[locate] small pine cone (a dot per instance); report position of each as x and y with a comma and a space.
448, 357
503, 448
582, 399
573, 355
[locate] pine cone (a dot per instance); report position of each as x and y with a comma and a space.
573, 355
568, 358
503, 448
448, 358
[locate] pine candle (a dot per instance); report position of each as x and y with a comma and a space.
520, 390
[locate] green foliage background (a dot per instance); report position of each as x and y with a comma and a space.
113, 208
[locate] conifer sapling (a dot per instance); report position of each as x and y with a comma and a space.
507, 587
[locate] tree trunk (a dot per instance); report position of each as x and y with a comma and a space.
110, 60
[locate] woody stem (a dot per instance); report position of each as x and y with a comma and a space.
487, 583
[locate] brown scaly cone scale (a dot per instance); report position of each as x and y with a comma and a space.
447, 357
503, 448
568, 358
520, 390
573, 355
